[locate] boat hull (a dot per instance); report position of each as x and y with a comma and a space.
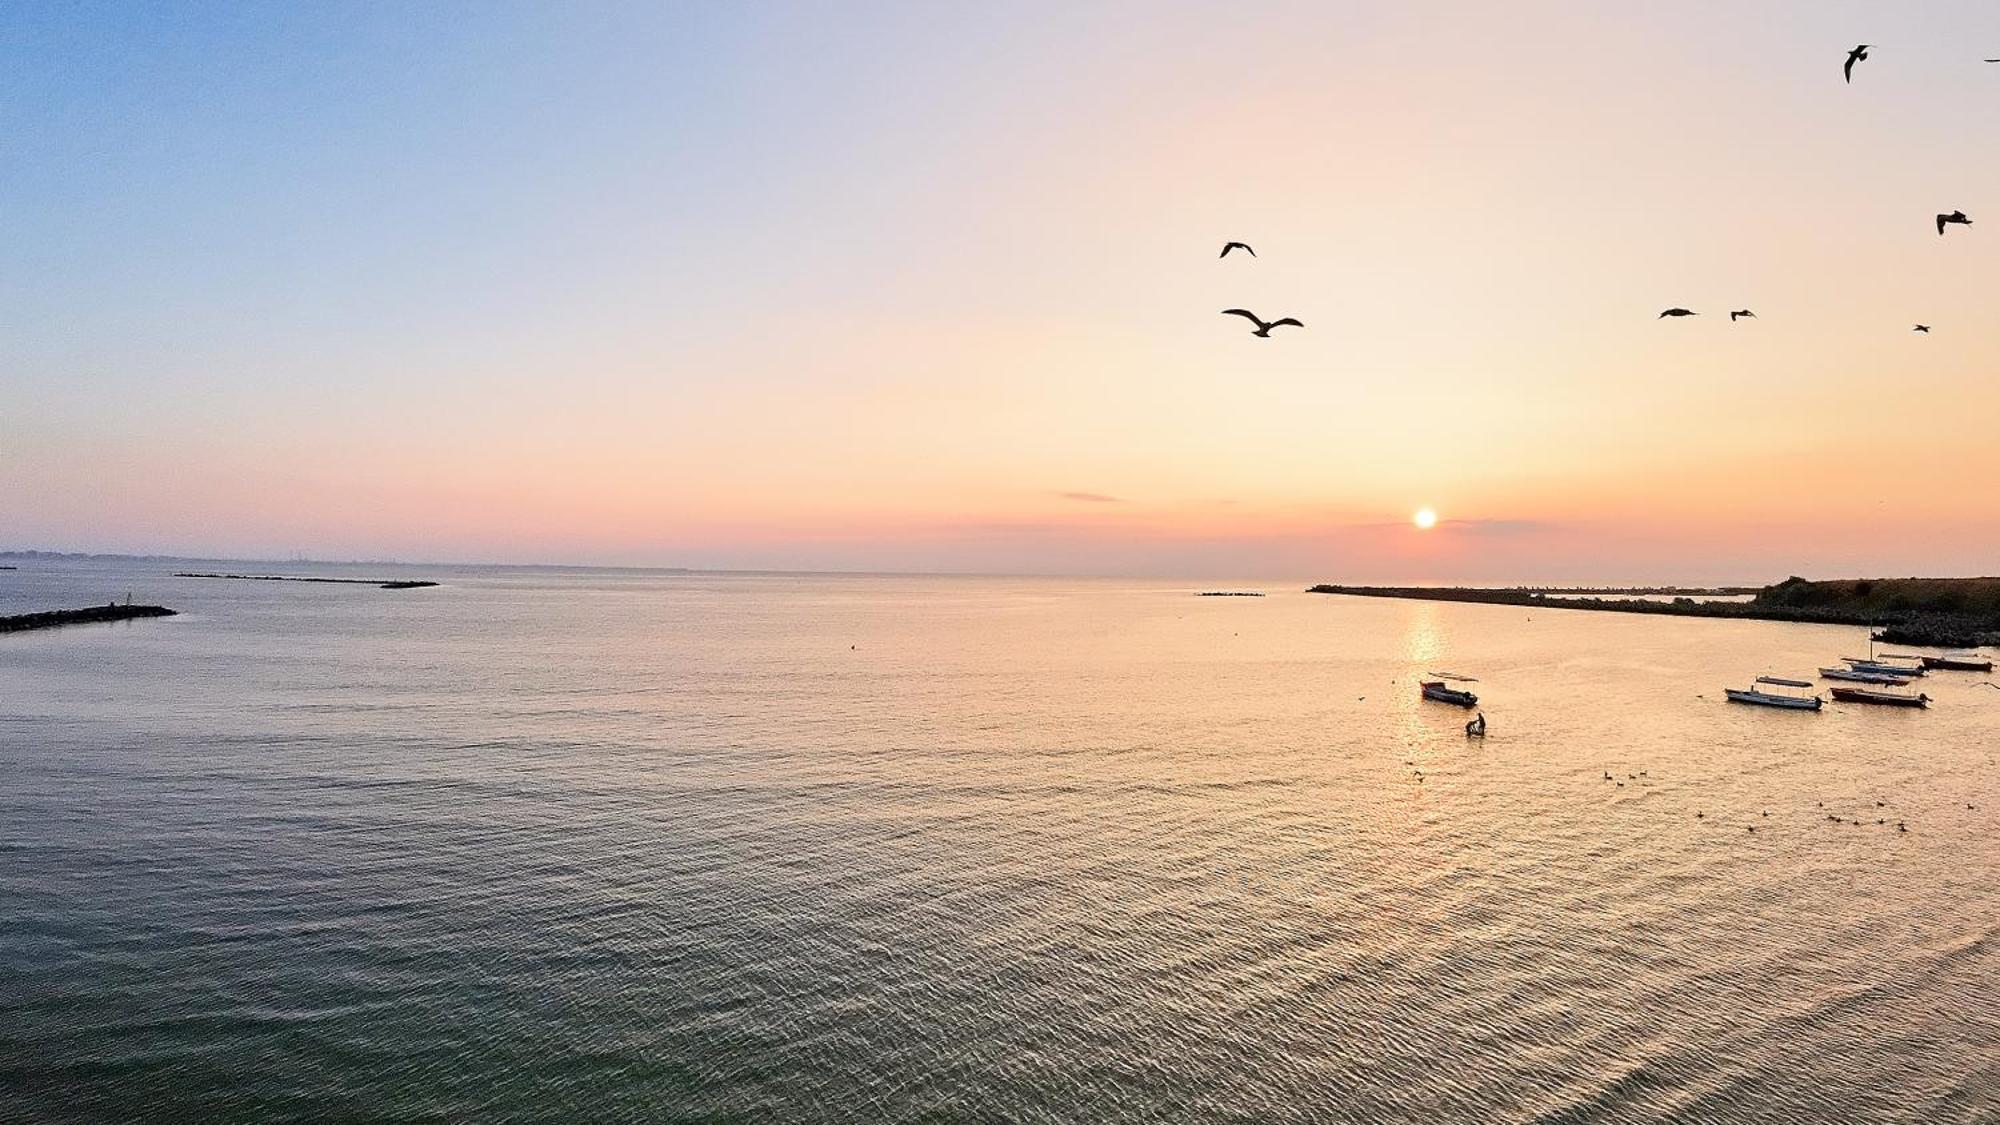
1852, 676
1905, 671
1879, 698
1438, 693
1767, 699
1958, 664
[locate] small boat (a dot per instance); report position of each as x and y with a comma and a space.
1882, 669
1864, 677
1755, 693
1441, 691
1959, 662
1882, 698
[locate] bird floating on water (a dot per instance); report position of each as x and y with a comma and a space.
1957, 217
1263, 326
1920, 328
1243, 246
1677, 312
1735, 313
1858, 54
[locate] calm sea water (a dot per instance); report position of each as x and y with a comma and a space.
556, 846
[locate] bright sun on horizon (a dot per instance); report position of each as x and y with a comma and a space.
1425, 519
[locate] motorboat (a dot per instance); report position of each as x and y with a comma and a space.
1879, 697
1959, 662
1853, 676
1882, 668
1439, 690
1755, 693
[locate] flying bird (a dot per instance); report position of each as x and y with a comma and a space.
1955, 217
1921, 328
1263, 327
1854, 56
1734, 313
1243, 246
1677, 312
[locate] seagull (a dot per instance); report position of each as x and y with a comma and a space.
1677, 312
1921, 328
1243, 246
1856, 55
1263, 327
1955, 217
1741, 312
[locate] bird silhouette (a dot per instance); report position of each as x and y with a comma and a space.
1856, 55
1921, 328
1955, 217
1243, 246
1677, 312
1734, 313
1263, 326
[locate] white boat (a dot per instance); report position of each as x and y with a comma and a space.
1882, 668
1755, 693
1859, 677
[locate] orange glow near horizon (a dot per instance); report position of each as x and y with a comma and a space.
846, 328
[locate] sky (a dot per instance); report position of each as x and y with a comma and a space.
934, 286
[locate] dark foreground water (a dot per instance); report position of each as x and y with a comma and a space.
548, 846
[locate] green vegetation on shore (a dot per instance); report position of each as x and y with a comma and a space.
1941, 612
97, 613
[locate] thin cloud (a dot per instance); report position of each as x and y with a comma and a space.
1091, 497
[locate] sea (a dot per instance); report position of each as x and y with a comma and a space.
555, 845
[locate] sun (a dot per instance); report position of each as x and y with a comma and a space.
1425, 519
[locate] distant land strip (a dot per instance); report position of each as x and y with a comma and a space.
1939, 612
52, 618
389, 584
1229, 594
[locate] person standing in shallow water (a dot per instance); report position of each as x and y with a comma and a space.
1477, 727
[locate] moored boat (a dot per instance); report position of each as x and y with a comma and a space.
1440, 690
1756, 694
1883, 668
1955, 662
1853, 676
1880, 698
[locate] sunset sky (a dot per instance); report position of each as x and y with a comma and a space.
933, 286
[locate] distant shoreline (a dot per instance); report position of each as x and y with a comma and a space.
1936, 612
382, 583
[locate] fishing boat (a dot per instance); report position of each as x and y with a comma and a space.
1959, 662
1880, 698
1854, 676
1439, 689
1880, 668
1755, 693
